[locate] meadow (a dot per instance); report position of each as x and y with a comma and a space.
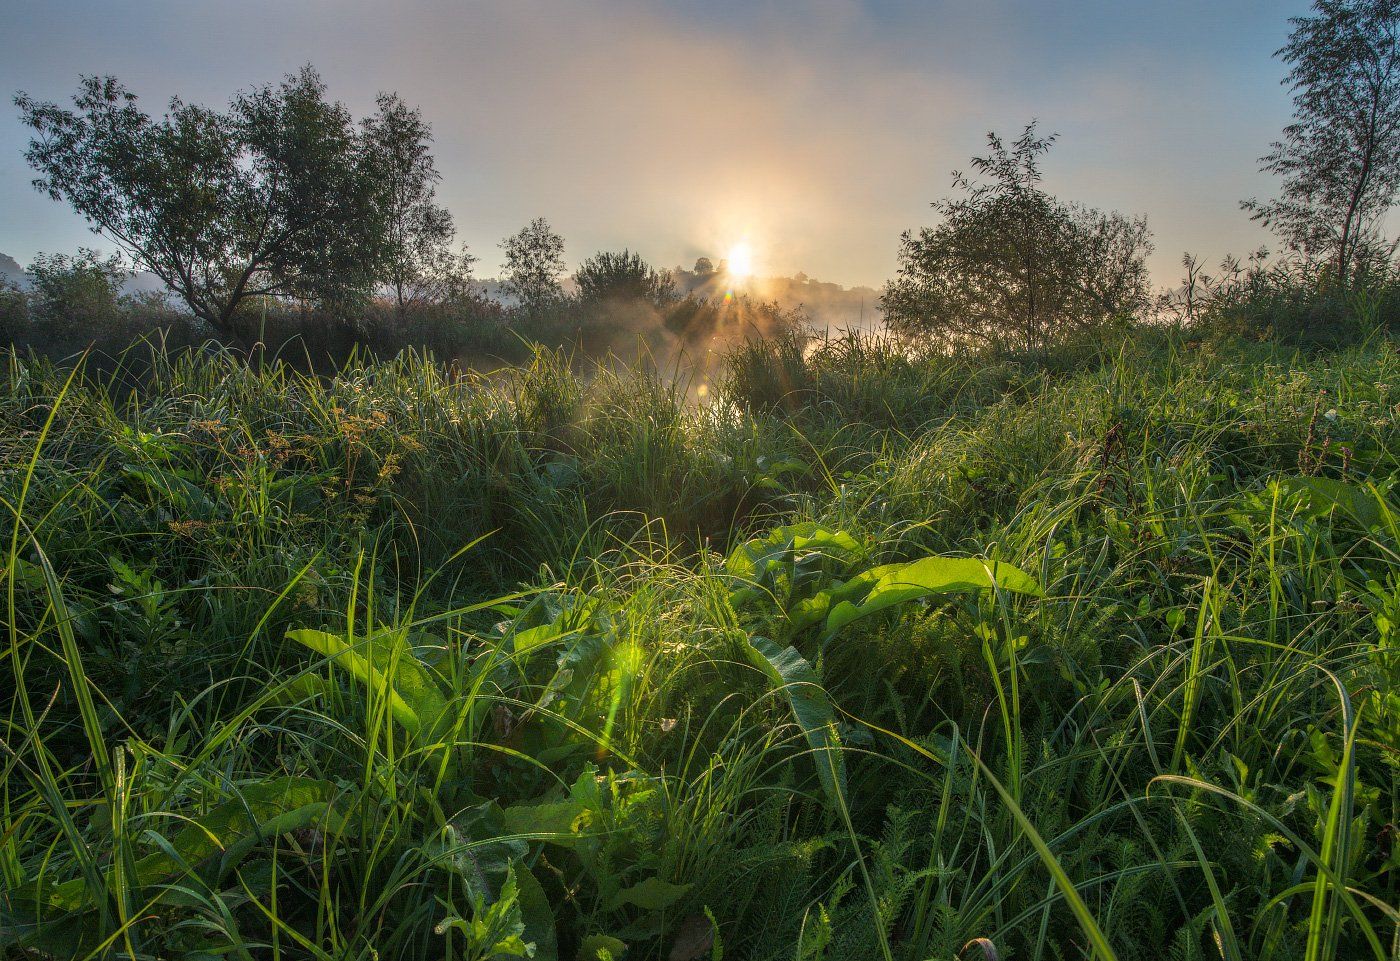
872, 654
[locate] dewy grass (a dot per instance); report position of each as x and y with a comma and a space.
557, 664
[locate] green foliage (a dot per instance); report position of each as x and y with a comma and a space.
622, 278
267, 197
14, 312
84, 289
880, 653
1290, 299
533, 266
418, 266
1012, 266
1339, 159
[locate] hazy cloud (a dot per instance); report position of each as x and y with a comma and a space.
817, 130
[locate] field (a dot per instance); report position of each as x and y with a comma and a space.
871, 655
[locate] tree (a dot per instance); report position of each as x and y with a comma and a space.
444, 278
1340, 157
84, 288
417, 231
1010, 265
613, 278
704, 265
534, 264
268, 197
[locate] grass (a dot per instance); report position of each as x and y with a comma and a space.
874, 655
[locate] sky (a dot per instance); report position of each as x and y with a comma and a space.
815, 131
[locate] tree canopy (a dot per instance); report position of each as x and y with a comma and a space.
609, 277
534, 265
1340, 157
417, 261
1011, 265
269, 197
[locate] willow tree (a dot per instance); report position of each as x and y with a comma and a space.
268, 197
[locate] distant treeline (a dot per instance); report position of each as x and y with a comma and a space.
73, 304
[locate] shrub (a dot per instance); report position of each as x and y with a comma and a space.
623, 278
76, 291
1293, 300
14, 313
1011, 266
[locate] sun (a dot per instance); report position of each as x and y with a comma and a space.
740, 260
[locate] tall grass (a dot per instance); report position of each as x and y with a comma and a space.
402, 664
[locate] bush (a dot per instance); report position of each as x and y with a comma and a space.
77, 291
623, 278
14, 313
1012, 267
1292, 300
76, 304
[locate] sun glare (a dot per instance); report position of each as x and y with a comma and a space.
740, 260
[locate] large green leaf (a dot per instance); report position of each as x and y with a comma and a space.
653, 894
476, 844
750, 558
787, 559
537, 915
814, 609
791, 674
801, 566
558, 822
1323, 494
928, 577
385, 664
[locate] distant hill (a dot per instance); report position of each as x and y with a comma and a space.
11, 270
